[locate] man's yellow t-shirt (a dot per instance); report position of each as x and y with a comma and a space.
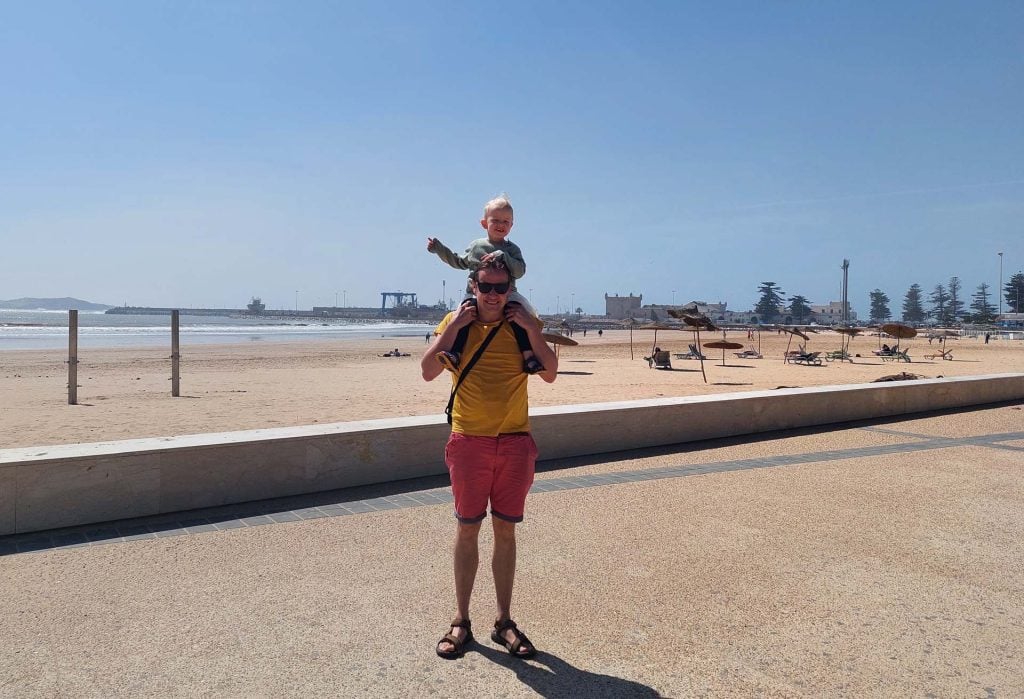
492, 400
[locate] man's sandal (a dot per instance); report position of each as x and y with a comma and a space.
458, 647
521, 647
533, 366
449, 360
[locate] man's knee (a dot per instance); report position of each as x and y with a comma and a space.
467, 532
503, 529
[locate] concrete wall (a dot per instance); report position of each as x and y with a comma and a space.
57, 486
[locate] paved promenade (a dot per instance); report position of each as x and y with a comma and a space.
873, 559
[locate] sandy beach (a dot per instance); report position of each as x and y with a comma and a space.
125, 393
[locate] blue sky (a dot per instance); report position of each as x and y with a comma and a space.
199, 153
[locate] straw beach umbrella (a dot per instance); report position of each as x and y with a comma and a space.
629, 322
723, 345
694, 322
558, 340
899, 331
656, 327
844, 343
792, 332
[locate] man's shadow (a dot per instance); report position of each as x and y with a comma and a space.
550, 676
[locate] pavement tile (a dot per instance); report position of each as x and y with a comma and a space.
310, 513
229, 524
133, 530
169, 533
102, 534
35, 544
256, 521
69, 539
140, 537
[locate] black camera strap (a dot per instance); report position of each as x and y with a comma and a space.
465, 371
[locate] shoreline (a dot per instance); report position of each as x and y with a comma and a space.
124, 393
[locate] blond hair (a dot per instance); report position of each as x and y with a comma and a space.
499, 203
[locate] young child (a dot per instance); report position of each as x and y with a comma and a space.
497, 221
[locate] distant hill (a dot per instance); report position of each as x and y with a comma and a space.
64, 304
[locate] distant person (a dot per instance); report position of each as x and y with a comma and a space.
600, 332
584, 332
497, 221
427, 337
490, 453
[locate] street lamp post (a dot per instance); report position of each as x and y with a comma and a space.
344, 298
1000, 290
673, 297
572, 303
296, 300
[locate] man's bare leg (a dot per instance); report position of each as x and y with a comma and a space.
466, 561
503, 565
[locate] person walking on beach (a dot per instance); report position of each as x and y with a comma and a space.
490, 453
497, 221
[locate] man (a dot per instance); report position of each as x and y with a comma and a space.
490, 454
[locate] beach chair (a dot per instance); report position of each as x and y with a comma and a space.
893, 355
838, 355
946, 354
750, 353
688, 354
807, 359
659, 360
695, 352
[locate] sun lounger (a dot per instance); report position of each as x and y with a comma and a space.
838, 355
807, 359
944, 354
659, 360
694, 353
893, 355
749, 354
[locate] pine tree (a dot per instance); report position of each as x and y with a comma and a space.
956, 304
939, 300
1013, 293
879, 306
984, 312
913, 311
771, 300
799, 308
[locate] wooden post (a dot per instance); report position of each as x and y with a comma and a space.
175, 356
72, 357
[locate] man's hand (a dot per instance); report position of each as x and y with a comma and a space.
465, 314
515, 313
496, 255
432, 244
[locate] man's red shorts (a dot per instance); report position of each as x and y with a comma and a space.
496, 469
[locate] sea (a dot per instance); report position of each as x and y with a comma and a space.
35, 330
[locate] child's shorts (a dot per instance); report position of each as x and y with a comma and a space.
495, 469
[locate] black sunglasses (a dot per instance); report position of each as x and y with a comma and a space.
499, 288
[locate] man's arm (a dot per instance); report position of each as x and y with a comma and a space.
429, 366
545, 355
512, 257
447, 256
